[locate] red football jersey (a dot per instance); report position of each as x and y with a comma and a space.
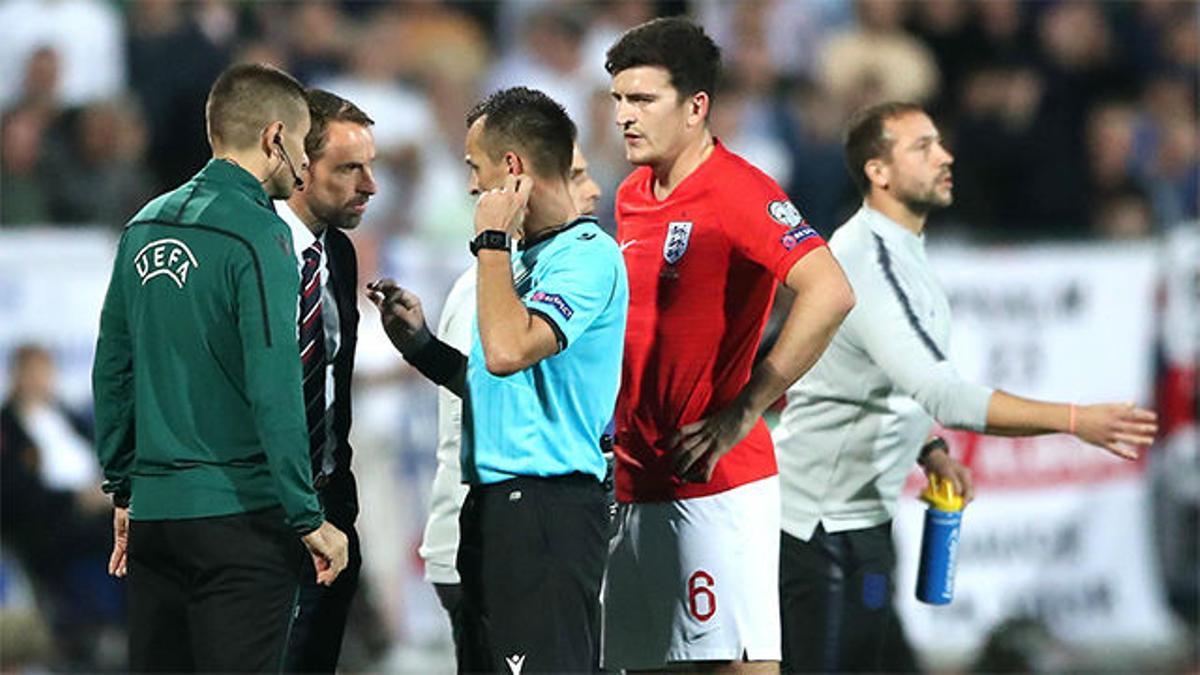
702, 268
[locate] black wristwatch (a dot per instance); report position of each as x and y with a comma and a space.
935, 443
493, 240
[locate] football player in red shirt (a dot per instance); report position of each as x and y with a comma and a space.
693, 571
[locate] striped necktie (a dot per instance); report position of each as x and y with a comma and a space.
313, 361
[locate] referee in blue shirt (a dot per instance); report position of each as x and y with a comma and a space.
538, 387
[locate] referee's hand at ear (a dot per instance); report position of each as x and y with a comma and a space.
330, 551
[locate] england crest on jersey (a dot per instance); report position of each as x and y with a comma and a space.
676, 243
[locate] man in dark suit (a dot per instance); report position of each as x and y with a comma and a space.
333, 197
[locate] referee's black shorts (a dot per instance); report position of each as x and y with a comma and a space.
531, 559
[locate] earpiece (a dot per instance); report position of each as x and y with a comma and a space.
283, 151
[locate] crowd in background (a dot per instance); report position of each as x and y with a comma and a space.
1068, 120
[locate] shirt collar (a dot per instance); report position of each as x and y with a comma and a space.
302, 237
889, 229
547, 235
228, 172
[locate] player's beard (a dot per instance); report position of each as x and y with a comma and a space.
926, 201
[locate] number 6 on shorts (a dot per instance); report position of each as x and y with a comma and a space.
702, 601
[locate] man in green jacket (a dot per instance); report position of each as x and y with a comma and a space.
200, 425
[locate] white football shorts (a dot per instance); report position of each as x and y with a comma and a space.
694, 580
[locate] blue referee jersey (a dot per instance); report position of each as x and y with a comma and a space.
547, 420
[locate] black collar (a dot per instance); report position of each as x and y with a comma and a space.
546, 235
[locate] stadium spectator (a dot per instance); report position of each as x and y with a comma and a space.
790, 33
98, 175
88, 35
52, 513
171, 63
550, 53
25, 201
876, 59
404, 117
811, 125
39, 90
315, 40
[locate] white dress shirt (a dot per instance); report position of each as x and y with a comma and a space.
302, 238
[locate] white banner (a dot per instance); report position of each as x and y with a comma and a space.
52, 284
1059, 531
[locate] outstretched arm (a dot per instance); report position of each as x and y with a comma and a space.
1119, 428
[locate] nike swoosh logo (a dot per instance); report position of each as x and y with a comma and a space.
626, 244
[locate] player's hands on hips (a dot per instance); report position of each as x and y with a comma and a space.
1119, 428
698, 446
117, 562
401, 314
939, 463
330, 551
504, 208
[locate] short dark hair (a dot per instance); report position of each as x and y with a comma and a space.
246, 98
865, 139
673, 43
325, 107
519, 117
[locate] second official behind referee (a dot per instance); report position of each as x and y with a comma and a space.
538, 390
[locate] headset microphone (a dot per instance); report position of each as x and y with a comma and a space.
288, 160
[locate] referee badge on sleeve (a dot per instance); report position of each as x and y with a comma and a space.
785, 213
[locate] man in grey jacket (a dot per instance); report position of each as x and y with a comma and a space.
856, 423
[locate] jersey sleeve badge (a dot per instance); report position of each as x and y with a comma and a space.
786, 214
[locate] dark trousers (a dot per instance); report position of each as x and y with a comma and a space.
836, 600
316, 640
450, 596
212, 594
531, 559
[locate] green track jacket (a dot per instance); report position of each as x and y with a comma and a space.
199, 410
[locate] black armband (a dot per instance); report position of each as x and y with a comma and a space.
437, 361
120, 500
936, 443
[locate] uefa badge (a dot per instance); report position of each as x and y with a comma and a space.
676, 243
168, 257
